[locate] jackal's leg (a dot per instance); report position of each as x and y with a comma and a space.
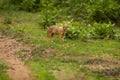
61, 37
49, 33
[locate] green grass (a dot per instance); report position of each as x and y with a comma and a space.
3, 68
66, 57
40, 70
78, 47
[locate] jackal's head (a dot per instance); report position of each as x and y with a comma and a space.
64, 26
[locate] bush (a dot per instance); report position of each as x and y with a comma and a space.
102, 31
4, 4
79, 10
73, 30
73, 33
104, 11
96, 31
28, 5
48, 17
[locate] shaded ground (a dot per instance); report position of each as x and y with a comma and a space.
17, 69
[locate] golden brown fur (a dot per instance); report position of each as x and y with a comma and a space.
52, 30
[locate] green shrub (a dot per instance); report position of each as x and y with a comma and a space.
77, 30
27, 5
72, 33
4, 4
102, 31
73, 30
48, 17
104, 11
117, 35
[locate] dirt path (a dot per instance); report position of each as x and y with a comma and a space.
17, 69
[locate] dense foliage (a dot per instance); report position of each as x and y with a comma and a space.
95, 31
79, 13
102, 30
94, 10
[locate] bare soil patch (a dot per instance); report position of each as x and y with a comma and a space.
17, 69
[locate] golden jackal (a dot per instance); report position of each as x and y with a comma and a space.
52, 30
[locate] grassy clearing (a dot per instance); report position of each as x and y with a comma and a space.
69, 60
